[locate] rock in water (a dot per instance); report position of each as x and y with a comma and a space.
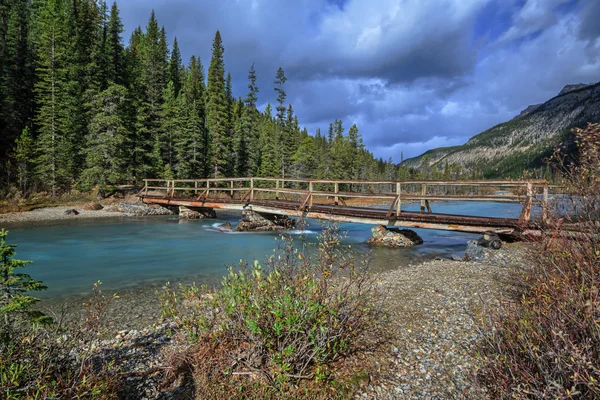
226, 227
253, 221
196, 213
484, 248
71, 212
490, 240
394, 237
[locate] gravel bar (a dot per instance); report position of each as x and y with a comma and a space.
434, 309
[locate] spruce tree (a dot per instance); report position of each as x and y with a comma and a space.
106, 139
55, 108
15, 301
280, 80
149, 109
24, 151
176, 68
16, 79
216, 112
170, 124
250, 124
115, 52
191, 139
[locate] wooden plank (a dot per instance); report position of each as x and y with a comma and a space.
303, 205
399, 201
391, 210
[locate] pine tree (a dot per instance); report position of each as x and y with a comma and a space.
24, 150
191, 139
170, 122
270, 160
241, 140
304, 159
108, 133
176, 68
114, 48
16, 79
54, 152
14, 288
152, 79
280, 80
250, 123
216, 111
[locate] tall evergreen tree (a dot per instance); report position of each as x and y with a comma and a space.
108, 133
176, 68
16, 79
153, 72
191, 140
216, 111
24, 151
54, 143
250, 123
115, 52
280, 80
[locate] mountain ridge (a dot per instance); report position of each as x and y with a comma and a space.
522, 143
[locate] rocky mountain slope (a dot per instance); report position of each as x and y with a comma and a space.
507, 149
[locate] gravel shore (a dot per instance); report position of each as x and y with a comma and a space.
60, 213
55, 214
434, 308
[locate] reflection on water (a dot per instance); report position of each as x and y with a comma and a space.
70, 255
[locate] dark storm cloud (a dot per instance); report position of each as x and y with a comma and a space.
590, 20
412, 74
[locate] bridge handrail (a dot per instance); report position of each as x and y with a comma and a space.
207, 185
501, 182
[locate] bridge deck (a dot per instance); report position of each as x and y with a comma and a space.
313, 198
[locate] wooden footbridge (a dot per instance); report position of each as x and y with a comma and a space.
367, 202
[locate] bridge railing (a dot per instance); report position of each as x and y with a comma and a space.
355, 193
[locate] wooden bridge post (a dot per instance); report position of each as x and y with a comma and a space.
526, 213
336, 190
251, 189
195, 188
231, 191
423, 192
545, 209
207, 189
399, 202
310, 190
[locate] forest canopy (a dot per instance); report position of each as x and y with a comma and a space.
80, 109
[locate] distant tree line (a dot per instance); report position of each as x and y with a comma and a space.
79, 109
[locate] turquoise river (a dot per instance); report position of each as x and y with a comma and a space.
125, 252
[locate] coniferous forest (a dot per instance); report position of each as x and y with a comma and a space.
80, 108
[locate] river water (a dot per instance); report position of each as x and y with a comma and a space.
69, 256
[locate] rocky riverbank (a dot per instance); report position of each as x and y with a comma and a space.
83, 212
434, 308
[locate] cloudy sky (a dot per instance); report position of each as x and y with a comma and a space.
412, 74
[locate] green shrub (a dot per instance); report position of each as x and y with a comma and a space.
286, 322
40, 359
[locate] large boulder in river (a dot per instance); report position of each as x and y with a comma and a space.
394, 237
196, 213
253, 221
483, 249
